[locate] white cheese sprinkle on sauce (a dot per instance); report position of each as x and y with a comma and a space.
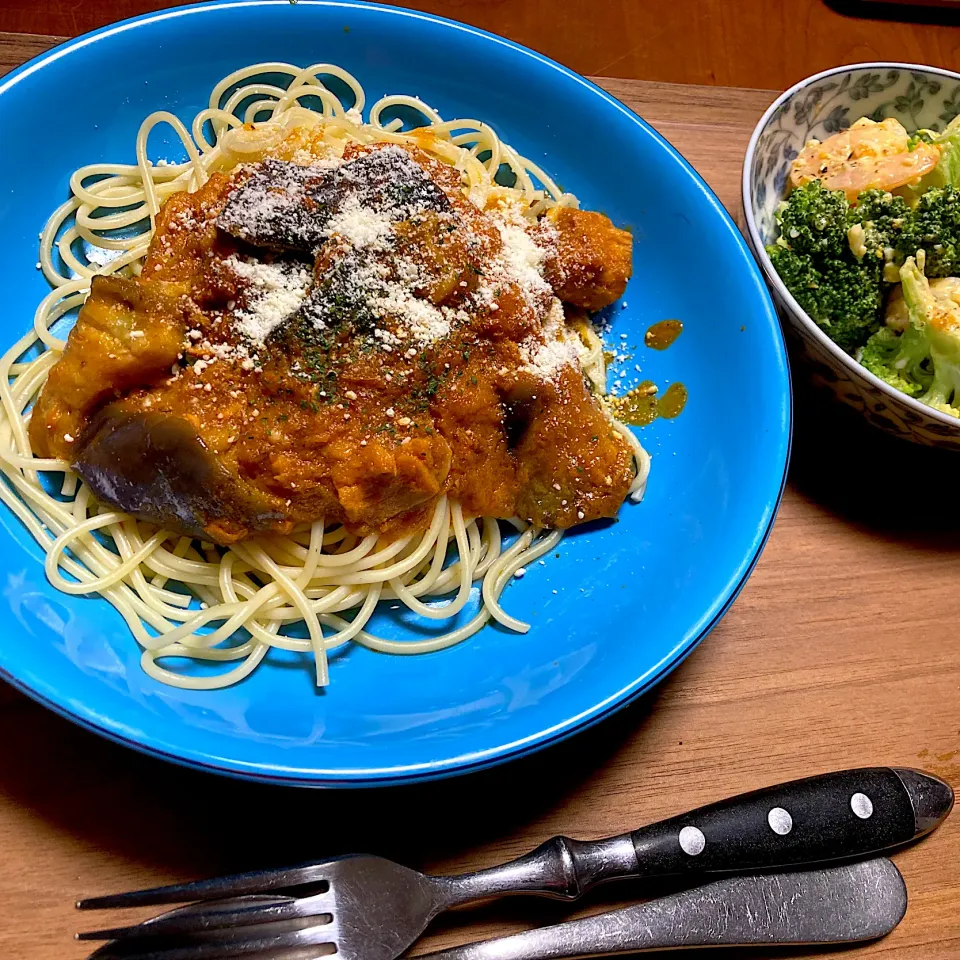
275, 292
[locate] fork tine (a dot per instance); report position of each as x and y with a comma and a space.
274, 940
203, 917
258, 881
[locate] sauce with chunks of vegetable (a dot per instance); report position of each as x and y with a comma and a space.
346, 339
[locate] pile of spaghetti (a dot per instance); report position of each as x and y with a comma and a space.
192, 602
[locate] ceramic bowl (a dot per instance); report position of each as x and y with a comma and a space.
917, 96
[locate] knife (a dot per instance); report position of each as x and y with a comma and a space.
840, 904
830, 817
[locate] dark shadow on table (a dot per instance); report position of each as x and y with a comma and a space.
890, 486
187, 823
915, 11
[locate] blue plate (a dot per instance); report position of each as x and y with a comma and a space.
619, 607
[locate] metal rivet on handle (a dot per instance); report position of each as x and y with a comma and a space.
692, 841
862, 806
781, 823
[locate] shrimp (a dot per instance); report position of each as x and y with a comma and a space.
868, 155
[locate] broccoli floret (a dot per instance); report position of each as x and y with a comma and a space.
841, 297
924, 360
934, 227
935, 324
884, 357
881, 207
841, 292
877, 222
946, 172
813, 220
920, 136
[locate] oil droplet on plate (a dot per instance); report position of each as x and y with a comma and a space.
639, 406
662, 334
671, 404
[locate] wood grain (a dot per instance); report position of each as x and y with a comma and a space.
842, 651
748, 43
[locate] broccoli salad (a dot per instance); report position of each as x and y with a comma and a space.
869, 246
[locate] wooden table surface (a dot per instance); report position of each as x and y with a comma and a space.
843, 650
680, 41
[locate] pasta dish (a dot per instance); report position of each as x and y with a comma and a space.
330, 359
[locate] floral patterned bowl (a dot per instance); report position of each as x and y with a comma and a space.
823, 104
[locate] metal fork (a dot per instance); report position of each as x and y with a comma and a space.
845, 904
371, 908
374, 909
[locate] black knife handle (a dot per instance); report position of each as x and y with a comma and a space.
828, 817
835, 816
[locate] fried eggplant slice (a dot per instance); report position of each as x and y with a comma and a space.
155, 467
287, 206
128, 334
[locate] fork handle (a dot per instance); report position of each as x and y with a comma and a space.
834, 816
846, 904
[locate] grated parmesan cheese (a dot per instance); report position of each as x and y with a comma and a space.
100, 256
275, 292
362, 227
369, 286
558, 349
523, 262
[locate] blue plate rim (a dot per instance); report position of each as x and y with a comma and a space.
492, 756
453, 768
